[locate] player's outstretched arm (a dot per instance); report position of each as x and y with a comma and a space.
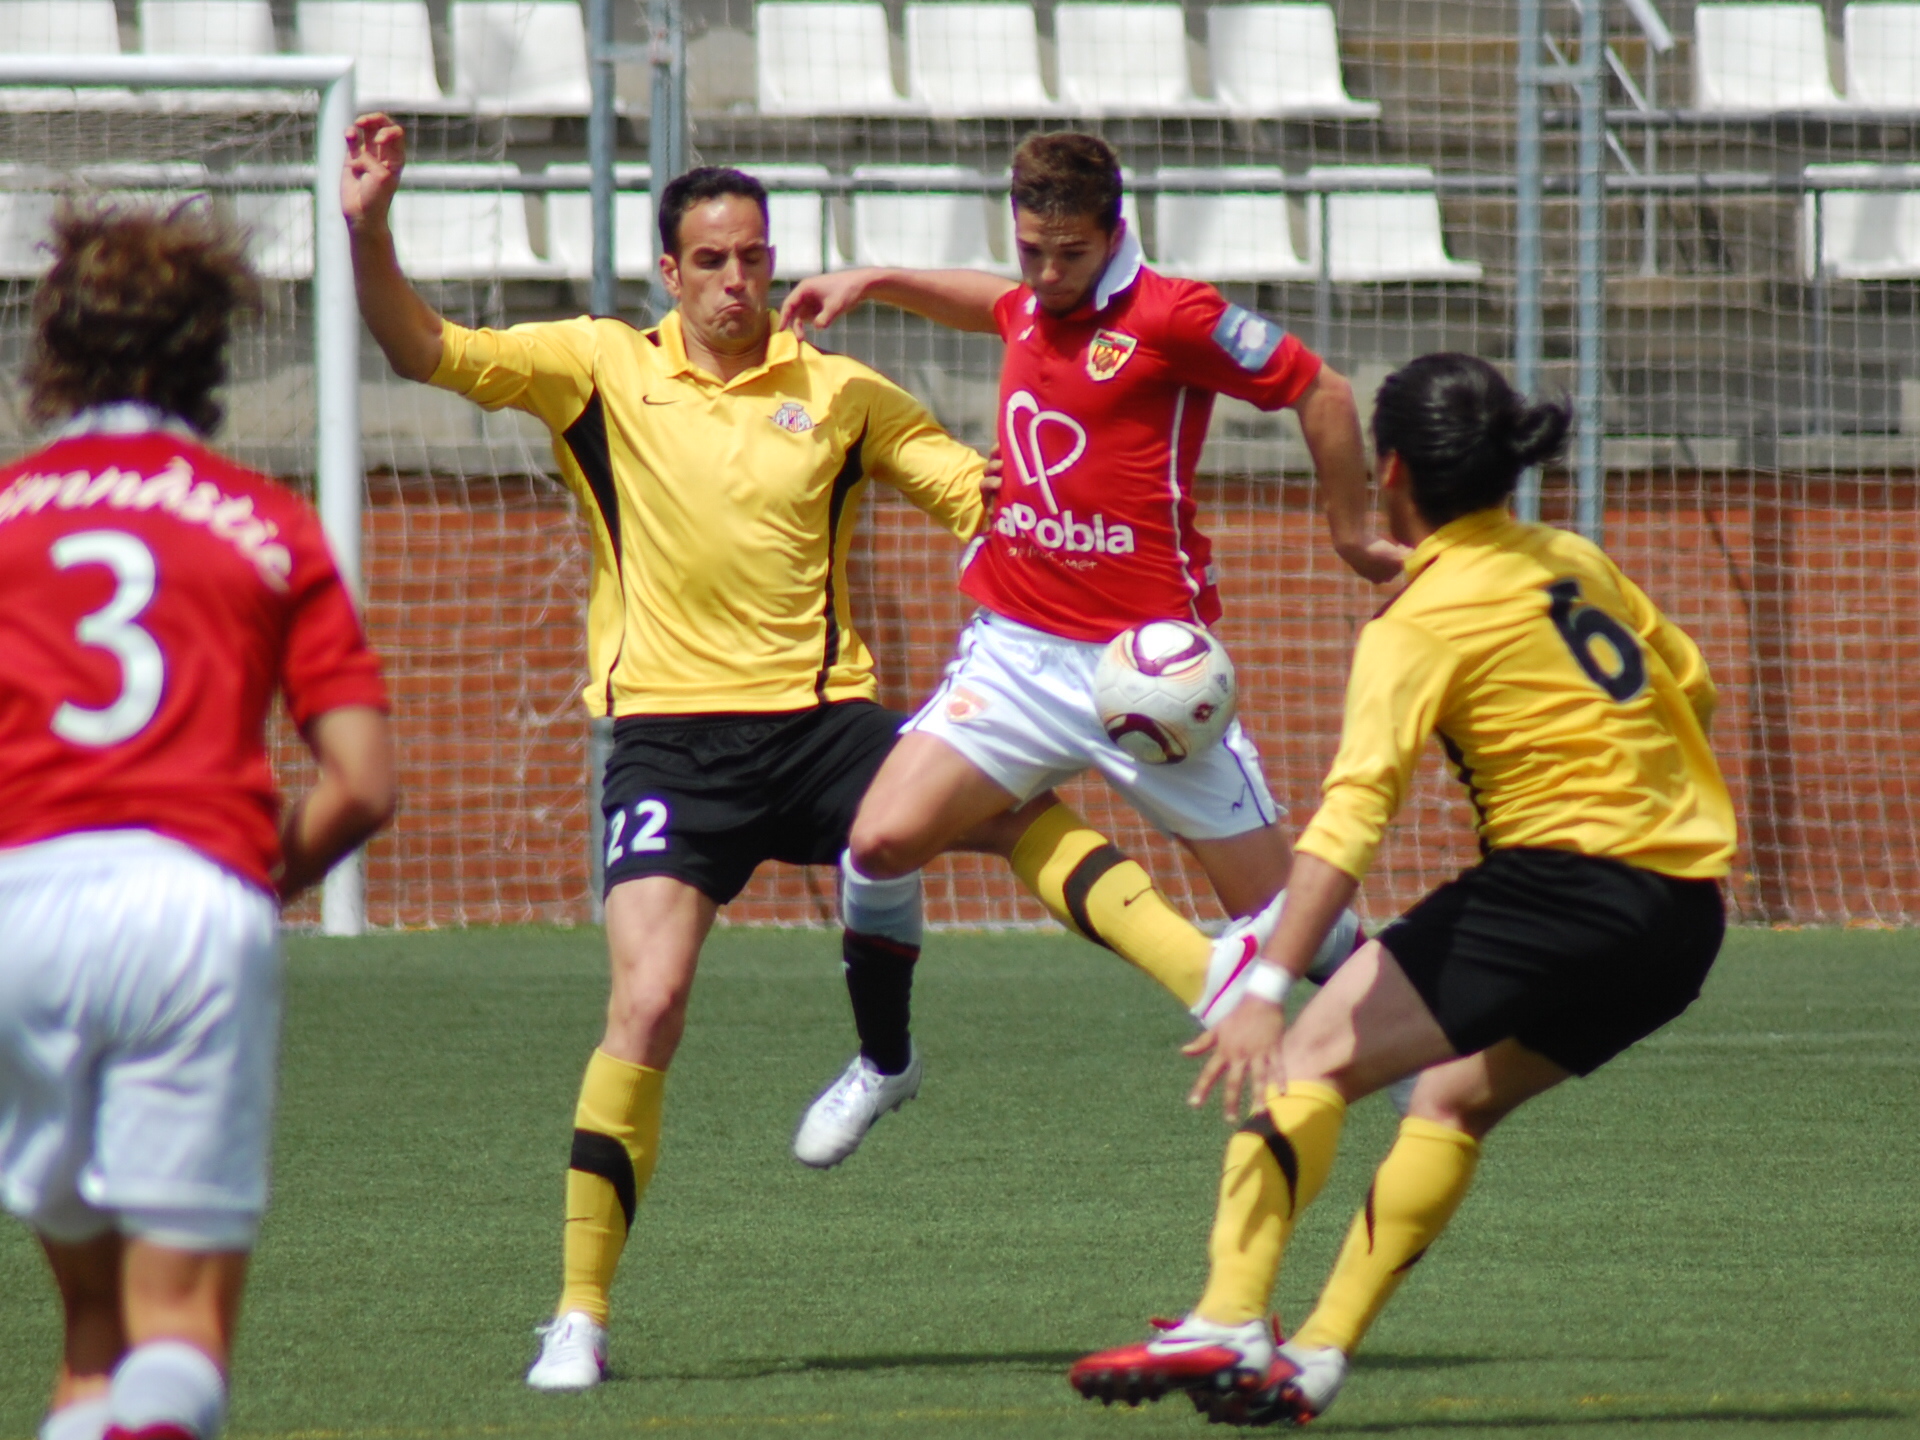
1330, 424
405, 326
958, 299
354, 798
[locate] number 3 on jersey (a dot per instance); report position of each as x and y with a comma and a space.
649, 819
1580, 624
143, 669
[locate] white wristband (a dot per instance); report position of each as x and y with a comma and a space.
1269, 983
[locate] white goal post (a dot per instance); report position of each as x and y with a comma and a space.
336, 320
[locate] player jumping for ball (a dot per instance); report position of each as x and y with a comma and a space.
154, 599
1106, 390
1576, 714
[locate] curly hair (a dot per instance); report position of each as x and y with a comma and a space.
1066, 173
139, 305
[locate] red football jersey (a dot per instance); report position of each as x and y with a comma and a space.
153, 598
1102, 416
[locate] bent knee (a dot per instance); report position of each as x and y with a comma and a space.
884, 852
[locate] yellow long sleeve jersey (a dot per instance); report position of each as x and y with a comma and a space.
1573, 710
722, 512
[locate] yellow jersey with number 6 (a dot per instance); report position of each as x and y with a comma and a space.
1572, 709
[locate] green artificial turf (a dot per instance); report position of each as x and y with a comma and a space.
1718, 1236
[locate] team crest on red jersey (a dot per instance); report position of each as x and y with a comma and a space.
1107, 352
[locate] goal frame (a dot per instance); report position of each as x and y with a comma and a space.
336, 319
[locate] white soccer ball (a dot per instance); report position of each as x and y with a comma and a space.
1165, 690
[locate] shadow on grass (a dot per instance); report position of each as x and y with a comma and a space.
766, 1367
1797, 1415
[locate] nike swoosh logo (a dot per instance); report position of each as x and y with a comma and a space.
1131, 898
649, 400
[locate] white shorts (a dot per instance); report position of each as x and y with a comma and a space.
139, 1024
1018, 703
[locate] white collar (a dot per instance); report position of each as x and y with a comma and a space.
124, 417
1122, 270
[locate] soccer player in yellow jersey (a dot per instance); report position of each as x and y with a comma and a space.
1576, 714
720, 463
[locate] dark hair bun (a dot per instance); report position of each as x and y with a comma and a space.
1463, 433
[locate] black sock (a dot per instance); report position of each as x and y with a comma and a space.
880, 984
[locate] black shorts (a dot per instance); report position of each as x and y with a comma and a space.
706, 798
1574, 957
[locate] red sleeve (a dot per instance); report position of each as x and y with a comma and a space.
325, 663
1010, 311
1221, 347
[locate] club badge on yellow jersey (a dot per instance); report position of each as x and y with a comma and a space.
792, 418
1107, 352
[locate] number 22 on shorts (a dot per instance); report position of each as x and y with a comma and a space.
649, 820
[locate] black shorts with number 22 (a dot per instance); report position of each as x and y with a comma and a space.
706, 798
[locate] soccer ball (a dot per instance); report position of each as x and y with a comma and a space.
1164, 690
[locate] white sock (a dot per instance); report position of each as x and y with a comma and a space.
1334, 950
168, 1382
887, 908
82, 1420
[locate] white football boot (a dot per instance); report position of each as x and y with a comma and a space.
573, 1353
1238, 948
840, 1116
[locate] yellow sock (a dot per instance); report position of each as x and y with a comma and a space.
1414, 1194
1276, 1164
1099, 894
616, 1138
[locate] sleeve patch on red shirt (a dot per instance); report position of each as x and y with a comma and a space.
1248, 339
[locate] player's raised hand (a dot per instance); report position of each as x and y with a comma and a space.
376, 154
1243, 1054
822, 299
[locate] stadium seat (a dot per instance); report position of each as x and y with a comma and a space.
1239, 236
207, 27
1761, 59
935, 228
1382, 235
824, 57
1883, 55
520, 57
1864, 234
1280, 60
391, 42
1126, 58
570, 223
797, 219
976, 59
279, 227
468, 233
59, 27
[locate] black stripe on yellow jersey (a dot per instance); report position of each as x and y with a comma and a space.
1572, 709
722, 512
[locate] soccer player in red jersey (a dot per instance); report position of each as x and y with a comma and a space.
154, 599
1105, 394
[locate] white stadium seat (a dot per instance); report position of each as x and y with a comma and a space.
1864, 234
1239, 236
937, 228
570, 223
391, 42
797, 219
1761, 59
1883, 55
279, 228
207, 27
59, 27
1383, 235
520, 57
824, 57
472, 233
1280, 60
976, 59
1125, 58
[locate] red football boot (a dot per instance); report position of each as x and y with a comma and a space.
1191, 1355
